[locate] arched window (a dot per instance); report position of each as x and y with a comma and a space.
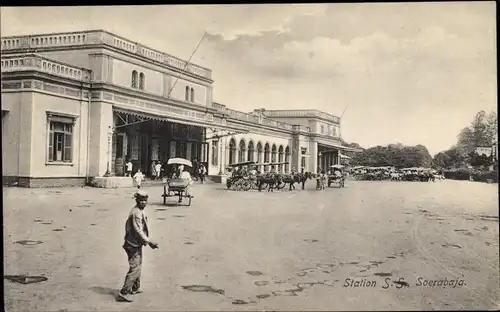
273, 153
259, 152
186, 95
192, 95
243, 151
251, 150
232, 151
280, 158
267, 151
141, 81
134, 79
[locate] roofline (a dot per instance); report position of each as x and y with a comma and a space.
108, 32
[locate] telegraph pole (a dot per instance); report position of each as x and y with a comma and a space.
187, 63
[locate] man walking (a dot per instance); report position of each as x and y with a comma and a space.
136, 236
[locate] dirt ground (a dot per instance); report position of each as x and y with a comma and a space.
299, 250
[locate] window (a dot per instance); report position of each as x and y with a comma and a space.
192, 95
60, 139
215, 152
186, 96
141, 81
322, 129
134, 79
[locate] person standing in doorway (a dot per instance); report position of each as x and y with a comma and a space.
136, 236
158, 170
128, 171
153, 170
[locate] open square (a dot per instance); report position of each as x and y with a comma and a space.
260, 251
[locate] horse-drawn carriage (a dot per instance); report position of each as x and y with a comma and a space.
337, 175
176, 187
242, 180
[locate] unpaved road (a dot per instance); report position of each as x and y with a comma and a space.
260, 251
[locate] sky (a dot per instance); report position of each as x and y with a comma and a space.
410, 73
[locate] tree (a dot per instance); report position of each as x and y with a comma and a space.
393, 155
480, 161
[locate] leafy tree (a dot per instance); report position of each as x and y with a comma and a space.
407, 156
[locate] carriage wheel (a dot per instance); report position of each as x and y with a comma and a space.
246, 185
237, 186
253, 185
280, 185
264, 186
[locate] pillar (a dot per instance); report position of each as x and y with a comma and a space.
101, 121
222, 155
313, 157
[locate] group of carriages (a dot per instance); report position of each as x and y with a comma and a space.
245, 176
394, 174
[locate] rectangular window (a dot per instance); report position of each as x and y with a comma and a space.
60, 134
322, 129
303, 163
215, 152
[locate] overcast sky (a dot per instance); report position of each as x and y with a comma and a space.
414, 73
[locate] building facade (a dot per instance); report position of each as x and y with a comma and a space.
79, 105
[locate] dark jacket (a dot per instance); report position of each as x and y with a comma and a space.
136, 229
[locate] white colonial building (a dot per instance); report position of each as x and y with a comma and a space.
78, 105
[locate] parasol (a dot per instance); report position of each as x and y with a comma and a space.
179, 161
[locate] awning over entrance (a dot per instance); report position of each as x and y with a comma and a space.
194, 119
336, 147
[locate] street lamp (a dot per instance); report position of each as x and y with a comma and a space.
110, 136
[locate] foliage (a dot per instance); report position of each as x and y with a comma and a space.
393, 155
466, 174
480, 133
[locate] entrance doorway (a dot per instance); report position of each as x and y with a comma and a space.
145, 141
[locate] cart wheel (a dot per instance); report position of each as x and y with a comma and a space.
246, 185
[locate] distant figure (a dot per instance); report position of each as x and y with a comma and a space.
153, 170
136, 236
158, 170
202, 171
138, 177
128, 170
253, 171
185, 175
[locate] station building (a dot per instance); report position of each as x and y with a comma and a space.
78, 105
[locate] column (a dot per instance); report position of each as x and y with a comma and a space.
222, 154
313, 158
227, 160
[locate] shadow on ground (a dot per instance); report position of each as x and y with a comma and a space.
104, 291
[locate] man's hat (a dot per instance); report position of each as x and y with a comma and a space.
141, 195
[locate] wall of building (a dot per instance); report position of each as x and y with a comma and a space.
292, 121
256, 138
101, 119
179, 91
79, 57
40, 167
11, 130
122, 76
